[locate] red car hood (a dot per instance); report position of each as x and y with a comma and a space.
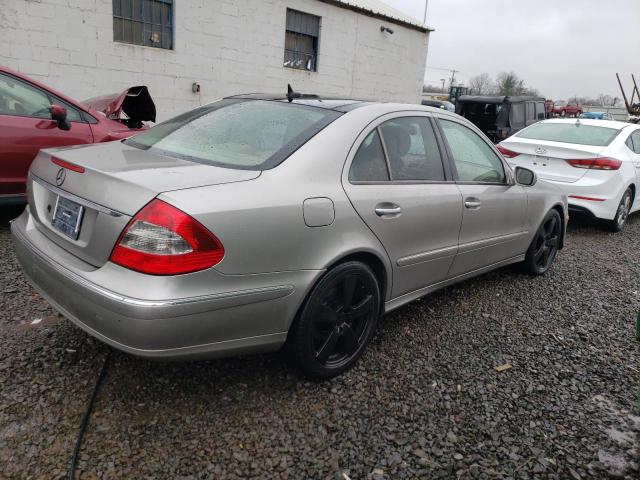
135, 102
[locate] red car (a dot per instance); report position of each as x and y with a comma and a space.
34, 116
567, 109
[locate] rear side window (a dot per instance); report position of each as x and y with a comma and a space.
577, 133
474, 160
369, 163
412, 149
517, 115
237, 133
635, 138
531, 111
410, 153
540, 110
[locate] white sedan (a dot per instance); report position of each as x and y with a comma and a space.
595, 163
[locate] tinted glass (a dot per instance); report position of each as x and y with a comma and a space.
369, 163
577, 133
531, 111
412, 149
517, 114
474, 160
237, 133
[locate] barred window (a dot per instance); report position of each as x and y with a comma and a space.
143, 22
301, 41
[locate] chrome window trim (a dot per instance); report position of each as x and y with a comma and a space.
75, 198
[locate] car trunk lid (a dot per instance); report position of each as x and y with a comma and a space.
549, 159
115, 182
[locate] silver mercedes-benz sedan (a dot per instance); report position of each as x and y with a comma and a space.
257, 222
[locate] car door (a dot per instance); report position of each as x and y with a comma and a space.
633, 144
399, 185
26, 127
494, 213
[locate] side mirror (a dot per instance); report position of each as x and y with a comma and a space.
59, 114
525, 177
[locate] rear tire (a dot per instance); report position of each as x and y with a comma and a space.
336, 322
544, 246
622, 213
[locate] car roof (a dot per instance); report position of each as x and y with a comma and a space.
588, 121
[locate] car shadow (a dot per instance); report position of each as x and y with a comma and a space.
8, 213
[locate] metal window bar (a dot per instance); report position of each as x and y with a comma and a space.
301, 40
143, 22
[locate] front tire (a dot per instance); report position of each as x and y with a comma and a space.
337, 321
622, 213
544, 246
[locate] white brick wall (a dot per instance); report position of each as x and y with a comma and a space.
229, 47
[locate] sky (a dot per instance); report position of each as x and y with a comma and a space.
563, 48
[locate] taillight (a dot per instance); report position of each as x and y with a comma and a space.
599, 163
506, 152
162, 240
67, 165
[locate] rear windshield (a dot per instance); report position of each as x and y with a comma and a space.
237, 133
570, 133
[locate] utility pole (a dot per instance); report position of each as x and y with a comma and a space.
443, 80
426, 4
453, 77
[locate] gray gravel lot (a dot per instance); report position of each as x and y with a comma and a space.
425, 402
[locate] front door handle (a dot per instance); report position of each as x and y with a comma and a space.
387, 209
472, 203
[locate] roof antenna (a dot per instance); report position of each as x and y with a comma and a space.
291, 94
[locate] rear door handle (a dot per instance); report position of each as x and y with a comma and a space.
387, 209
472, 203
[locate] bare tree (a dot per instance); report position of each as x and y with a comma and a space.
508, 83
481, 84
431, 88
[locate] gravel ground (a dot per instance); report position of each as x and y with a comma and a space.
425, 402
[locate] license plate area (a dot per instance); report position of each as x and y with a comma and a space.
67, 217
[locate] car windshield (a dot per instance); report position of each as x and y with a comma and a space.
237, 133
570, 133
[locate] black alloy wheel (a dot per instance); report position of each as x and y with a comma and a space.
545, 244
337, 321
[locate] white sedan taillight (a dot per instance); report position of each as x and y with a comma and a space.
162, 240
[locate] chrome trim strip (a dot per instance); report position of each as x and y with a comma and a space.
262, 294
441, 253
75, 198
490, 242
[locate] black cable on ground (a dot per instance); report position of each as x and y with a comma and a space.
85, 419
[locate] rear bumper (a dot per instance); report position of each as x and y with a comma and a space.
223, 323
605, 194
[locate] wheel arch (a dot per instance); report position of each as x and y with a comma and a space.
632, 186
373, 261
558, 208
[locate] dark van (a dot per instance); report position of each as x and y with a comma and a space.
501, 117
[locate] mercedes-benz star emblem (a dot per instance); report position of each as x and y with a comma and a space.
541, 151
60, 176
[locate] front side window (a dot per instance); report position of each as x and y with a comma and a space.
301, 41
531, 111
143, 22
20, 99
474, 160
237, 133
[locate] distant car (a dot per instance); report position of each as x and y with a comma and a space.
34, 116
596, 163
443, 104
259, 220
596, 116
563, 108
500, 117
